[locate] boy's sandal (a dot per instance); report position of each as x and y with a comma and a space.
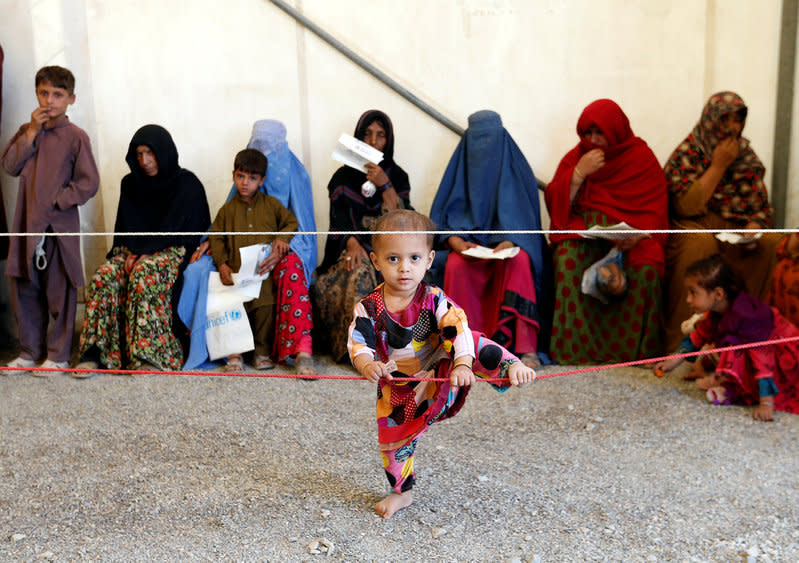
531, 360
234, 363
304, 365
263, 362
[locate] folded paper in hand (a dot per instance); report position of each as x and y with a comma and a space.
222, 296
738, 238
354, 153
488, 253
602, 232
251, 258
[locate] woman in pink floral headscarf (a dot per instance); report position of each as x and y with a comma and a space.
715, 182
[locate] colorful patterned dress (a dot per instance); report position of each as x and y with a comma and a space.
422, 340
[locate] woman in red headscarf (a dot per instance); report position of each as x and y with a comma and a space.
609, 177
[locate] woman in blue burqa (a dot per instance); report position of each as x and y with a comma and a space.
288, 181
489, 186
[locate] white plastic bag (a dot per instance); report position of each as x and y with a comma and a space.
228, 331
589, 285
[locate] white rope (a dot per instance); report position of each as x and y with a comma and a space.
587, 233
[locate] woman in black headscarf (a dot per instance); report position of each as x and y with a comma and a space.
346, 274
130, 300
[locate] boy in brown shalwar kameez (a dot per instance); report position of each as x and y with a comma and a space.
251, 210
56, 169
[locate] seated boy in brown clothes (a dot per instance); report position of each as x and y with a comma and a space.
252, 211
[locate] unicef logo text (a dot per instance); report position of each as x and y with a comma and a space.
222, 318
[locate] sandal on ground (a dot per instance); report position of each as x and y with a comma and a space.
48, 367
85, 369
716, 395
304, 365
263, 362
18, 366
234, 363
531, 360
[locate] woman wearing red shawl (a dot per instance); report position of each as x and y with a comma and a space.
609, 177
715, 181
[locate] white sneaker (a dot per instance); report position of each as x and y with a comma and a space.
18, 362
49, 364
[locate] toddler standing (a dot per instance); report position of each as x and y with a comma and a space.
405, 330
56, 169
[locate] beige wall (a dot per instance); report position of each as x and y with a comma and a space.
206, 70
792, 212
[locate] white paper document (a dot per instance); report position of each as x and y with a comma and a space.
251, 258
738, 238
222, 296
488, 253
354, 153
602, 232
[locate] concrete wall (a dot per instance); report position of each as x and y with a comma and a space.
206, 70
792, 211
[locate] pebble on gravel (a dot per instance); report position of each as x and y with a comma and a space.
438, 532
317, 547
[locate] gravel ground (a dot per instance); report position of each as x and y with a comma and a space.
615, 465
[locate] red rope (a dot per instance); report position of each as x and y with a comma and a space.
576, 371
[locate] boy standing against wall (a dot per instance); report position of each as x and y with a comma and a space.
56, 169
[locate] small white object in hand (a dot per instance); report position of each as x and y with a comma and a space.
368, 189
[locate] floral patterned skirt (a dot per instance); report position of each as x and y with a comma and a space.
129, 316
293, 318
336, 293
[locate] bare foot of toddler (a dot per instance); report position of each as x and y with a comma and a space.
697, 372
520, 373
393, 502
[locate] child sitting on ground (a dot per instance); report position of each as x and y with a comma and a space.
252, 210
767, 375
405, 330
56, 169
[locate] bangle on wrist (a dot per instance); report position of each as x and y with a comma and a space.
579, 174
464, 362
386, 186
